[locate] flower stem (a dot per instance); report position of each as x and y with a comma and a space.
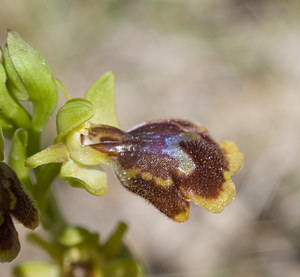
51, 216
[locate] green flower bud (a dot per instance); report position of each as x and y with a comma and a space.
10, 110
77, 252
30, 78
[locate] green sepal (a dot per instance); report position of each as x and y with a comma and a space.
17, 155
1, 145
37, 269
14, 81
30, 78
56, 153
54, 249
91, 178
71, 115
9, 108
102, 95
114, 244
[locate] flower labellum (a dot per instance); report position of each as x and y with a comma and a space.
14, 201
169, 163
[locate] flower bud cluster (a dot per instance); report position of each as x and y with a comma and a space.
24, 76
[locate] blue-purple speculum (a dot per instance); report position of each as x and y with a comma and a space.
170, 163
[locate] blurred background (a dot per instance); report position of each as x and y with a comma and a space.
231, 65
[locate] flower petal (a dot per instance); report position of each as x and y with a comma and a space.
161, 193
210, 185
22, 207
71, 115
9, 241
30, 78
91, 178
57, 153
83, 154
102, 95
169, 162
233, 154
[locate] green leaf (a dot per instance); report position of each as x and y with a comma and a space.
71, 115
56, 153
37, 269
91, 178
17, 155
30, 78
102, 95
9, 108
14, 81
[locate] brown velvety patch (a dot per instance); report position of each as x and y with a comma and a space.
158, 166
24, 210
165, 199
9, 241
207, 178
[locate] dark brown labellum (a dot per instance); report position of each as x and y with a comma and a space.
168, 162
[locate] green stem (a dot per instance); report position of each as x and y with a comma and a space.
51, 216
34, 142
52, 219
45, 177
